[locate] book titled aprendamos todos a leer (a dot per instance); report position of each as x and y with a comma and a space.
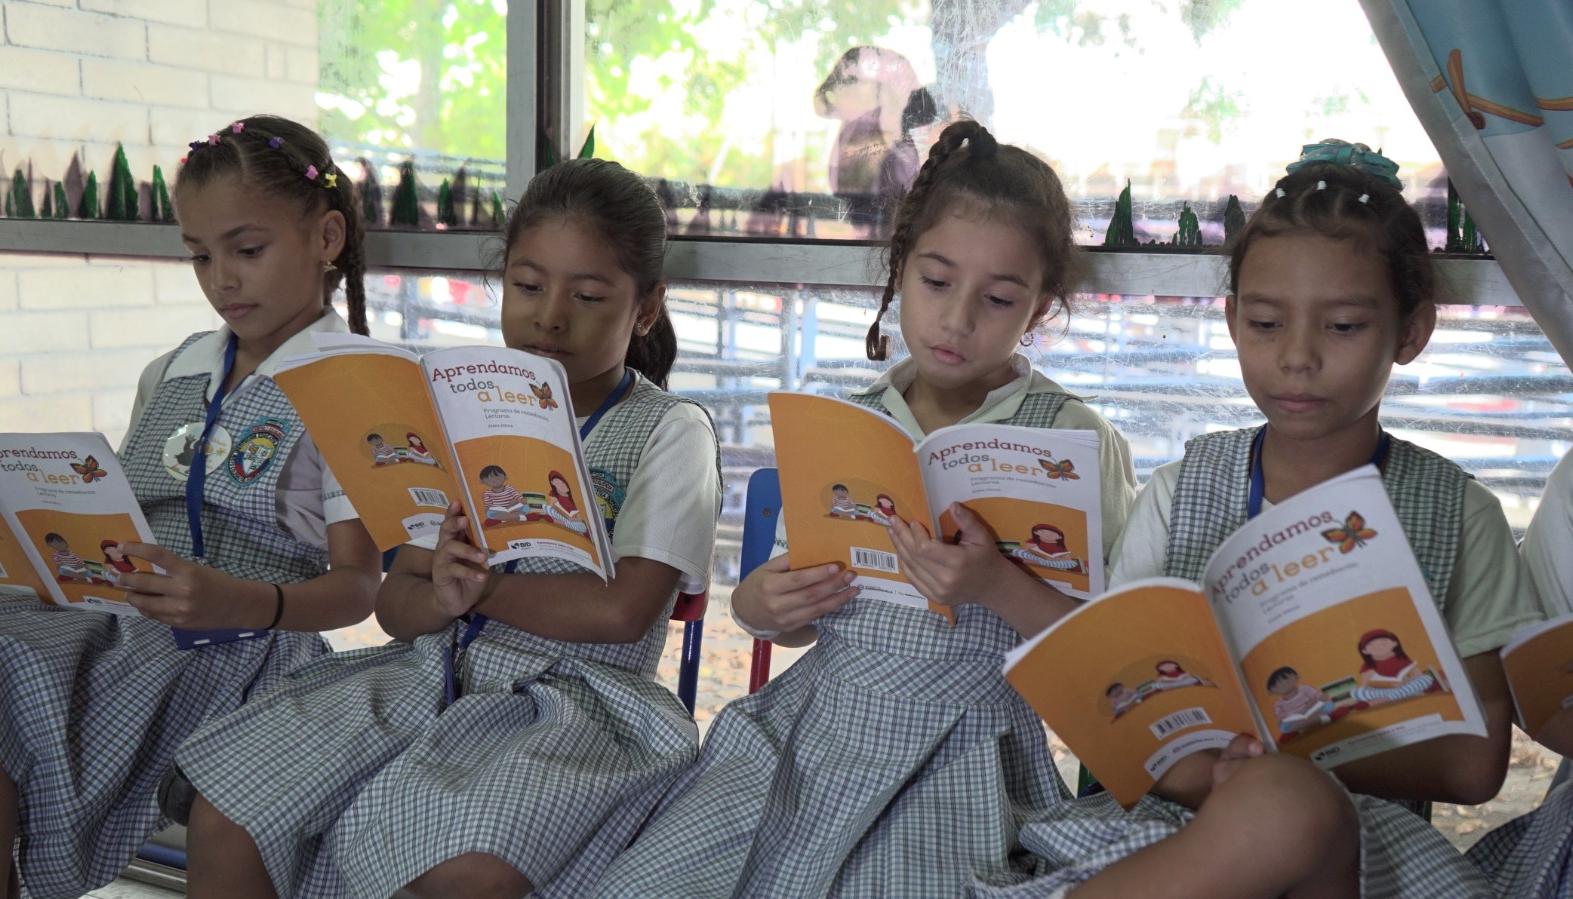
848, 470
1538, 661
1312, 628
489, 426
65, 511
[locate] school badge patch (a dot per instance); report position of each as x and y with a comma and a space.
609, 495
256, 450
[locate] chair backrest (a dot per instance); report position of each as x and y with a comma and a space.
760, 508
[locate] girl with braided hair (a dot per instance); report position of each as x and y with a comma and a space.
893, 759
93, 706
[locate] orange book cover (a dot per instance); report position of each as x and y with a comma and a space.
65, 510
847, 471
1539, 666
1312, 629
489, 426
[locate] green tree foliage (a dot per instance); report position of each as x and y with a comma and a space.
20, 203
1122, 230
406, 206
1233, 219
1190, 233
62, 205
162, 210
122, 204
89, 208
445, 211
1462, 236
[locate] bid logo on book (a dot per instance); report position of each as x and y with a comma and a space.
1354, 533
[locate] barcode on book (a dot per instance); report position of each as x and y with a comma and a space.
426, 496
1169, 724
873, 558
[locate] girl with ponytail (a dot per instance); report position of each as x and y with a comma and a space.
893, 758
257, 545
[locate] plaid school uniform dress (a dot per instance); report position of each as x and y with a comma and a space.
1400, 854
891, 759
354, 778
1532, 855
93, 706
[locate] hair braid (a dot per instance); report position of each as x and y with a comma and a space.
350, 266
902, 236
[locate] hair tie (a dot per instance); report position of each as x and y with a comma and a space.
213, 139
331, 180
1359, 156
1321, 185
1365, 198
311, 173
275, 142
237, 127
1280, 193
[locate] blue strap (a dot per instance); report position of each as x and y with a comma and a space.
1253, 506
197, 475
477, 622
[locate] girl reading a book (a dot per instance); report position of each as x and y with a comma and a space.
415, 449
1331, 286
1532, 855
93, 706
514, 737
560, 505
884, 511
1387, 674
897, 729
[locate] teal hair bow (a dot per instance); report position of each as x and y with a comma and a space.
1340, 152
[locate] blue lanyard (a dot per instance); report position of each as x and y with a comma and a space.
197, 474
478, 622
1259, 482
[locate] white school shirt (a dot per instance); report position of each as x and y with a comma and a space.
1548, 543
669, 513
309, 497
1118, 478
1487, 599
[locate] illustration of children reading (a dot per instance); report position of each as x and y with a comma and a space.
503, 503
68, 565
841, 502
884, 511
1298, 706
560, 505
1388, 674
1047, 549
415, 450
1172, 677
381, 452
1123, 698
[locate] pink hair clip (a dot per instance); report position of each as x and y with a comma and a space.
311, 173
213, 139
237, 127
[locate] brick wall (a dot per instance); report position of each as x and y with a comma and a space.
76, 77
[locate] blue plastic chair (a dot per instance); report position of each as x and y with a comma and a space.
760, 507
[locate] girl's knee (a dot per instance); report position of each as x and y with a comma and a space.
476, 874
1293, 799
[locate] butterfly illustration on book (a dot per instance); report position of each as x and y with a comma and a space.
1354, 533
1061, 469
543, 392
89, 470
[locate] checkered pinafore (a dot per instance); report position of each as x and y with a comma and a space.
891, 759
1400, 854
94, 705
355, 776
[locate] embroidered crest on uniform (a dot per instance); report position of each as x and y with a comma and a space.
256, 450
181, 447
609, 495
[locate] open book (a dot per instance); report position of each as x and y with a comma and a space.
1539, 666
489, 426
65, 508
1312, 629
846, 469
